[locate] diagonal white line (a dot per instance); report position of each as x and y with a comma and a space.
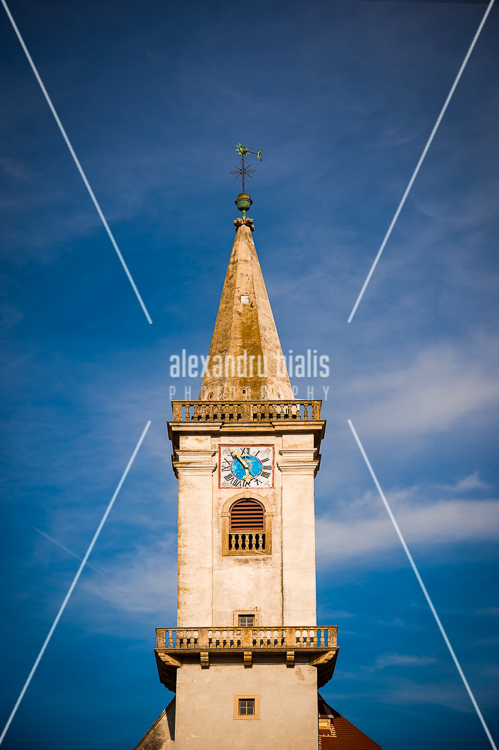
418, 166
423, 587
76, 161
75, 581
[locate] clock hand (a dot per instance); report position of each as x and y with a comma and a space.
245, 466
241, 460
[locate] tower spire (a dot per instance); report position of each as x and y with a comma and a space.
245, 359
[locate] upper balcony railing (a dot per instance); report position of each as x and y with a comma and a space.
246, 411
255, 637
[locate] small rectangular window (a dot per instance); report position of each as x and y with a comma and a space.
246, 706
246, 621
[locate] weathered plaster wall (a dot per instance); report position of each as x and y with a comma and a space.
297, 463
280, 586
205, 707
195, 468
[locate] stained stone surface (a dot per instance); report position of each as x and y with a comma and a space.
245, 359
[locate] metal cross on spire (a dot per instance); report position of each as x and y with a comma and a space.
245, 169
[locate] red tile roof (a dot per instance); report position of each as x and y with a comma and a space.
342, 735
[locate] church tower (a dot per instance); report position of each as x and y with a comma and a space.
246, 657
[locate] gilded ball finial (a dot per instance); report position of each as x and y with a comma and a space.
243, 202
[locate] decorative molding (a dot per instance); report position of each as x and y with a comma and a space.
186, 455
186, 470
187, 462
169, 660
246, 222
290, 658
324, 658
298, 454
204, 658
297, 468
248, 658
299, 461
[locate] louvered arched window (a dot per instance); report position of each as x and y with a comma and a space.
247, 529
247, 514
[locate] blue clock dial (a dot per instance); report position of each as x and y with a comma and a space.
246, 466
254, 467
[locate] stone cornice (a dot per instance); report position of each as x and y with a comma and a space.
296, 468
271, 427
186, 470
186, 455
299, 461
297, 454
188, 462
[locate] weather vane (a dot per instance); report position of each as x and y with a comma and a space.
245, 169
243, 201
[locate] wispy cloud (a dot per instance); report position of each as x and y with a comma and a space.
435, 693
402, 660
362, 528
471, 482
142, 582
441, 386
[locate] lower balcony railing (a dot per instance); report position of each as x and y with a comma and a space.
256, 637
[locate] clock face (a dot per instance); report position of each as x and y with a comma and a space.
246, 466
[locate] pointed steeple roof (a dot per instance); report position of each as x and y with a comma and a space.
245, 359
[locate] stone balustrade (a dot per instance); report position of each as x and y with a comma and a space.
255, 637
246, 541
246, 411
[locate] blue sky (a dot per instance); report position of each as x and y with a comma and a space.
341, 97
